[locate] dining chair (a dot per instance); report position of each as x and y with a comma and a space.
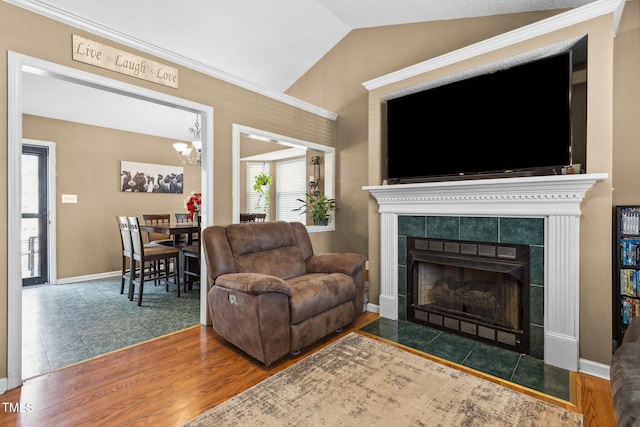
167, 257
247, 217
189, 256
157, 238
260, 217
125, 239
184, 217
190, 265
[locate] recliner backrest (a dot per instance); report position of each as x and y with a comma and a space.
276, 248
267, 248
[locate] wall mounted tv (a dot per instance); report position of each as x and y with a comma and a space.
512, 122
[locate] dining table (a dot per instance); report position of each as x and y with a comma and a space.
174, 229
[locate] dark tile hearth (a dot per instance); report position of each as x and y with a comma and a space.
517, 368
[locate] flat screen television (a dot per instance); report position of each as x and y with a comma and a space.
511, 122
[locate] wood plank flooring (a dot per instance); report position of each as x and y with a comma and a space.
172, 379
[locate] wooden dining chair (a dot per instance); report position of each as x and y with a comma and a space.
166, 258
157, 238
189, 256
247, 217
190, 265
184, 217
127, 261
260, 217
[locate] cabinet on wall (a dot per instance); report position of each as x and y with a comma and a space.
626, 275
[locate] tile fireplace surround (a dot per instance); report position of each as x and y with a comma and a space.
556, 199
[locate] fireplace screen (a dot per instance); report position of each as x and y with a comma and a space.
471, 288
483, 295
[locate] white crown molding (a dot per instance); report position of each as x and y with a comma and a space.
554, 23
102, 31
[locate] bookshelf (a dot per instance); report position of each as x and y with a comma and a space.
626, 276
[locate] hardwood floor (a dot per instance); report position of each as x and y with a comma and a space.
172, 379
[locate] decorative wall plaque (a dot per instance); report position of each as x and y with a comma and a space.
110, 58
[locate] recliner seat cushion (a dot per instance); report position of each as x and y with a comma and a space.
312, 294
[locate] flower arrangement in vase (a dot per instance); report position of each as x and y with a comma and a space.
193, 204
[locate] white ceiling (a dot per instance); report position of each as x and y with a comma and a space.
268, 43
63, 100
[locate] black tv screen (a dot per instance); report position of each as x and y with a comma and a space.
517, 119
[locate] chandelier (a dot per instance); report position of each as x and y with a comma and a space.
190, 154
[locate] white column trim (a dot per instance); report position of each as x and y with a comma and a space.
562, 291
389, 265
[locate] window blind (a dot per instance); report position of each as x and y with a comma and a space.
291, 185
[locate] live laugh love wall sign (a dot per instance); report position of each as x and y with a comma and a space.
110, 58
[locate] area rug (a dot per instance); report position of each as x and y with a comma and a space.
361, 381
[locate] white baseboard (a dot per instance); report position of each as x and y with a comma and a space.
593, 368
88, 277
373, 308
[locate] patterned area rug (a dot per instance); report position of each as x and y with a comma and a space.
360, 381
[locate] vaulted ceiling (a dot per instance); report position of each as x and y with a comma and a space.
271, 43
267, 43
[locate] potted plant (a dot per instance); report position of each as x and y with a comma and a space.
262, 186
320, 207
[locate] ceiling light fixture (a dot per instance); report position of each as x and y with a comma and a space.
190, 154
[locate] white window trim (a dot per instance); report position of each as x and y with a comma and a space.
328, 169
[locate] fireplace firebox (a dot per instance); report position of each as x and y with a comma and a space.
476, 289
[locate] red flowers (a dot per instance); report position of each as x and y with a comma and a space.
193, 204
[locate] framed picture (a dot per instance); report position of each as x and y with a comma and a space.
149, 178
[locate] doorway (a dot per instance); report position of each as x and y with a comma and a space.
38, 194
18, 65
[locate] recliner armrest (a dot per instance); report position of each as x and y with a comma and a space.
347, 263
253, 283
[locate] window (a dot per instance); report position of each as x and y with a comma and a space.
290, 186
255, 203
262, 147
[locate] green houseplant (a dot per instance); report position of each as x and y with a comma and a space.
320, 207
262, 186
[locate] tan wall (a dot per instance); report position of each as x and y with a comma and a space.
335, 83
88, 165
33, 35
626, 107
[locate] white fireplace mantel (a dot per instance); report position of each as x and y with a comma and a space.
555, 198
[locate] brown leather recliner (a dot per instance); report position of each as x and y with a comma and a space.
270, 295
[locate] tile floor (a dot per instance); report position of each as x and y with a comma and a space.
65, 324
505, 364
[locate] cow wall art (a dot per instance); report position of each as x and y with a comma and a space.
149, 178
